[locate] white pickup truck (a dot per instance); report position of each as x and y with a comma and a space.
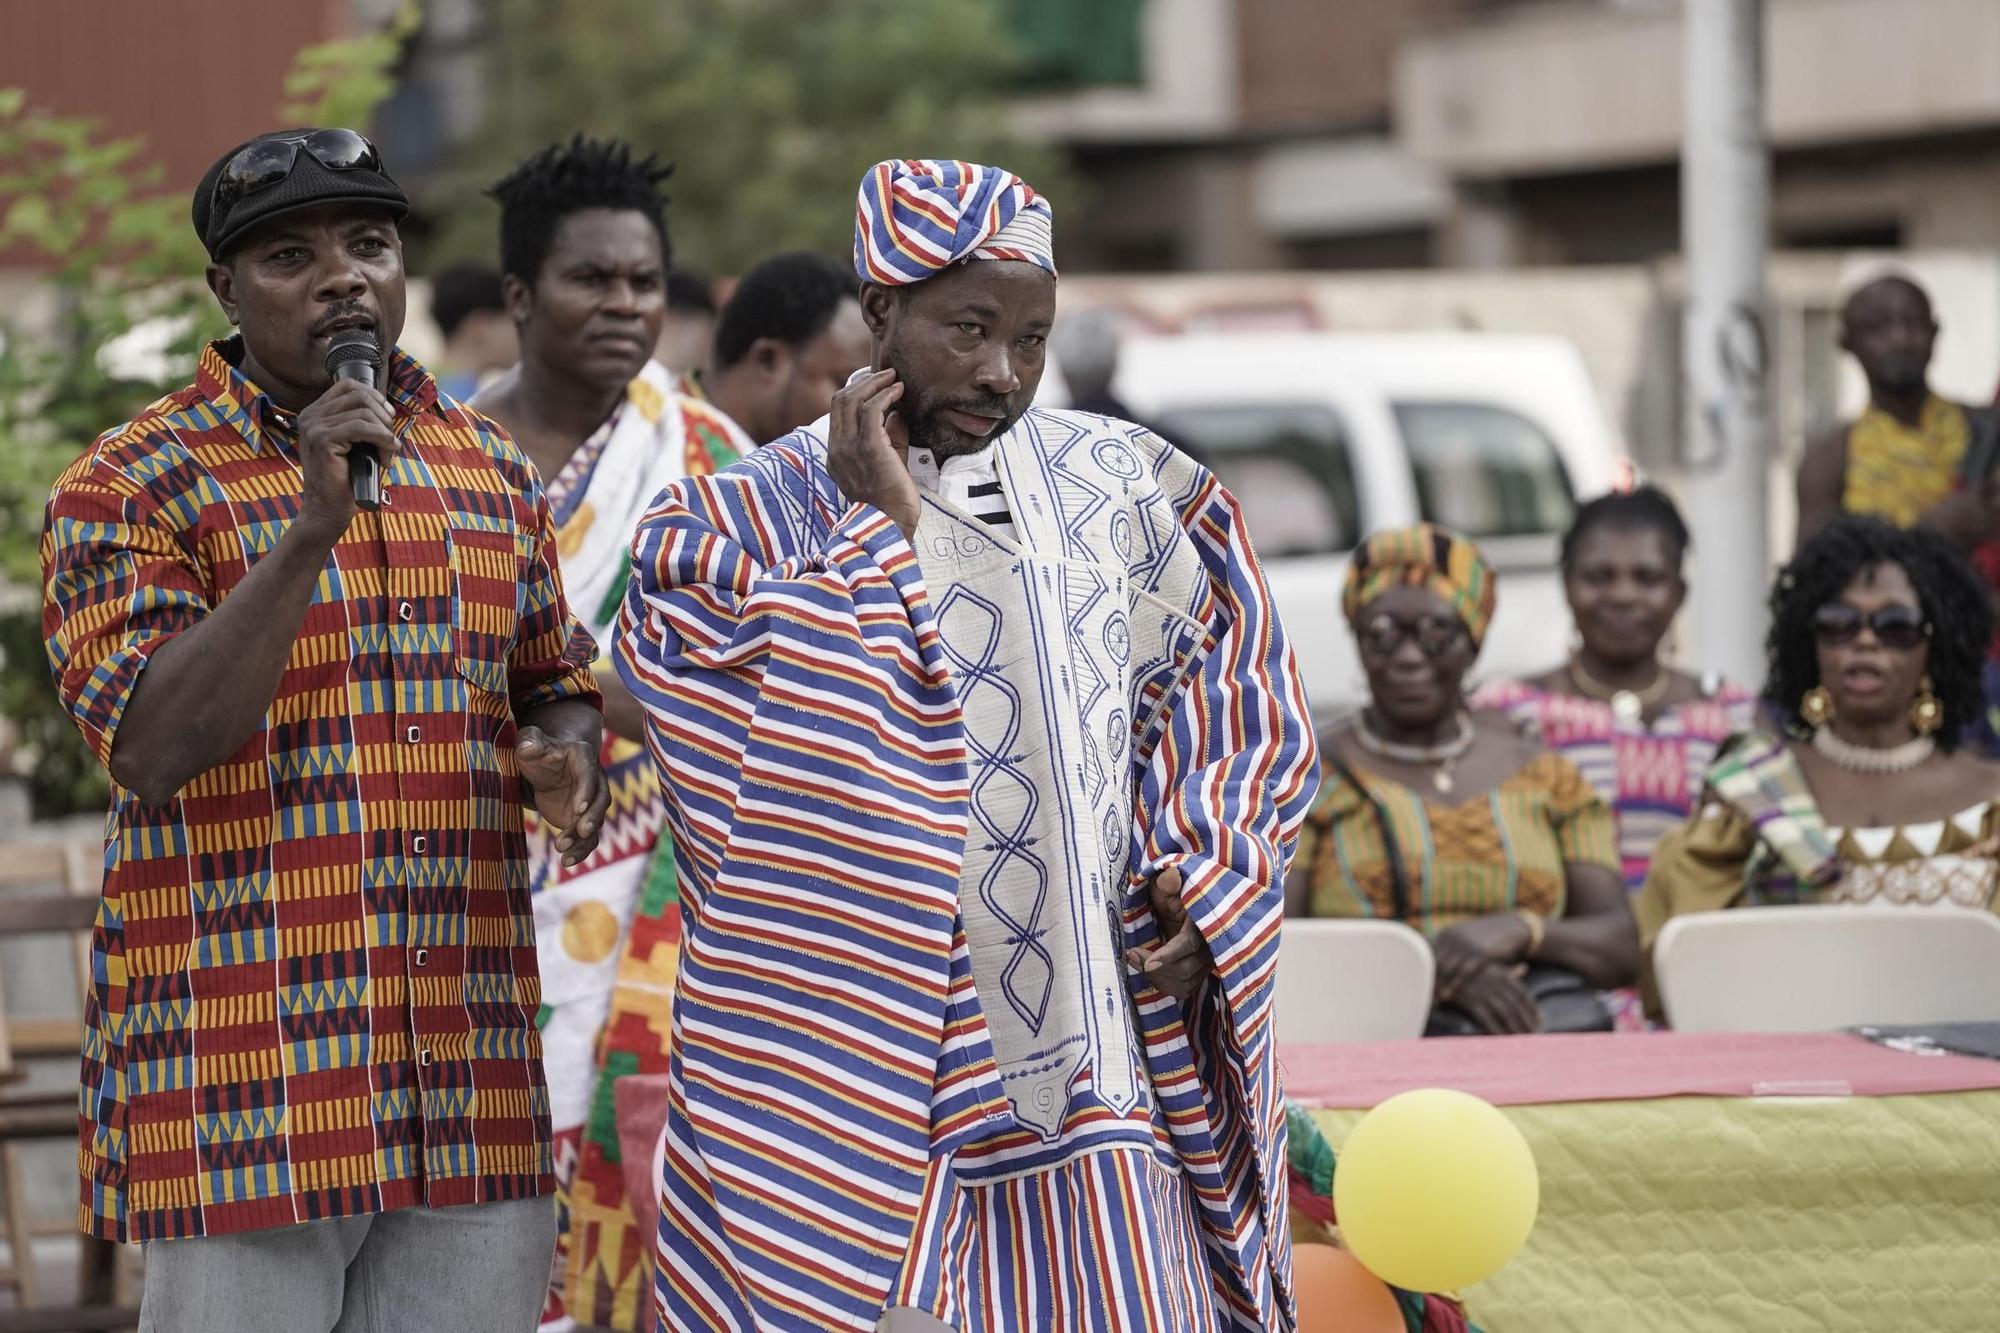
1326, 437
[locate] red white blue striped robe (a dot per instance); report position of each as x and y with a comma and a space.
828, 1043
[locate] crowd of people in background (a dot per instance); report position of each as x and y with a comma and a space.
1542, 832
1538, 832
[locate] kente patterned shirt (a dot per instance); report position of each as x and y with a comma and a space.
1898, 471
313, 970
1496, 852
1649, 772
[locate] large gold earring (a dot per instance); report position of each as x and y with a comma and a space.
1817, 707
1927, 713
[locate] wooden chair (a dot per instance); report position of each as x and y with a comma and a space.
48, 889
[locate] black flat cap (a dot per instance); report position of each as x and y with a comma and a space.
307, 186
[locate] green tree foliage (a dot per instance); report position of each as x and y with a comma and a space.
770, 109
126, 315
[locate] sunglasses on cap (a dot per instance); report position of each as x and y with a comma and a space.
1436, 636
1898, 627
260, 165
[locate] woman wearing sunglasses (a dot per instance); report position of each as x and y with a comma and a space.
1498, 851
1877, 638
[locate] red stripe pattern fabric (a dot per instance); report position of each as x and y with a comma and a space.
314, 984
830, 1048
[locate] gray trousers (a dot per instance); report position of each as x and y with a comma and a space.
476, 1268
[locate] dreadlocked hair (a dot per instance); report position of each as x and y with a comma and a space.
568, 178
1954, 605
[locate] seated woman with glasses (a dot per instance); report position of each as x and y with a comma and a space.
1498, 851
1877, 638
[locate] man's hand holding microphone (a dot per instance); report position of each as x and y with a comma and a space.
347, 438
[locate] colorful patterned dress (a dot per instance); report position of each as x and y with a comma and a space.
1499, 852
609, 929
1760, 840
1650, 774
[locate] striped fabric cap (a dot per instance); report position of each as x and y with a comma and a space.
1426, 557
917, 216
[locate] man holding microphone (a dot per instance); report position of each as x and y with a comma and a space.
310, 1035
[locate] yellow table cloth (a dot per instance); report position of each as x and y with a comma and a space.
1700, 1214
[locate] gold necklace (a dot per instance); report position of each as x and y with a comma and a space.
1626, 705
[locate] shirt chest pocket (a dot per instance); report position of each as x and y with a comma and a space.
485, 603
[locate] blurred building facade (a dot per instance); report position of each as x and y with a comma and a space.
1347, 134
156, 70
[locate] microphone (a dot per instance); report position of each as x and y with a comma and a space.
353, 355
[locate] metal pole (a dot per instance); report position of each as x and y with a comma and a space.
1725, 206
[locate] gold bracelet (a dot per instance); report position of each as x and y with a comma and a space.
1538, 930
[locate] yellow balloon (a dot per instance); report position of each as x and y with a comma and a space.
1435, 1190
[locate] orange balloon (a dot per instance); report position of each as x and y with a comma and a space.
1337, 1295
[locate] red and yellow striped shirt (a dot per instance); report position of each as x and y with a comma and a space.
314, 987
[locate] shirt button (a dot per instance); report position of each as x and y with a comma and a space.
414, 734
404, 611
424, 1058
421, 957
418, 843
386, 501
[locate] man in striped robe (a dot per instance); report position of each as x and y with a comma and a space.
984, 755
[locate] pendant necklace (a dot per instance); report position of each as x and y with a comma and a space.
1627, 706
1440, 758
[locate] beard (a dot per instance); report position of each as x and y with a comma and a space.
922, 413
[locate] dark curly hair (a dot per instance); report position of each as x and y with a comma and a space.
568, 178
1953, 599
1628, 511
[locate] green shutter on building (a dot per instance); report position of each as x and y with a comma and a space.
1076, 43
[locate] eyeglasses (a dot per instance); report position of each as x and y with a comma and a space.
263, 164
1435, 635
1898, 627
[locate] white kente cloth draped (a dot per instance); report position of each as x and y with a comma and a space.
859, 739
582, 913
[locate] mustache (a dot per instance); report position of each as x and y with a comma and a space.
345, 310
979, 407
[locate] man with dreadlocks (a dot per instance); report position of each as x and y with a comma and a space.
584, 251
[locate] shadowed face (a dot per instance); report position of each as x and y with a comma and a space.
968, 346
1888, 327
792, 384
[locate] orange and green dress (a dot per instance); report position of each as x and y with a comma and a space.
1502, 851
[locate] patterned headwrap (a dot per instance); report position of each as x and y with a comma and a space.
1429, 558
917, 216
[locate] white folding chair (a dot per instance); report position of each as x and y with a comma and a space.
1814, 969
1352, 981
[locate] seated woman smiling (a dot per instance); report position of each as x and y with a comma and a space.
1498, 851
1878, 636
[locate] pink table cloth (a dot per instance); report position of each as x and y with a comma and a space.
1595, 1067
